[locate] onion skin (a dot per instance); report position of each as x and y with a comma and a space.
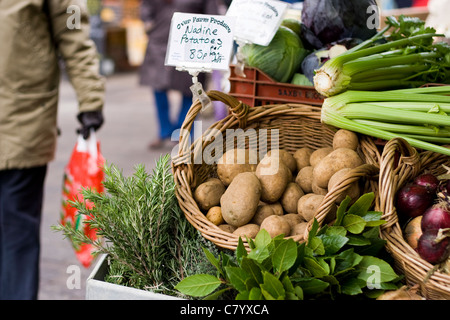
428, 180
436, 217
413, 200
432, 251
413, 231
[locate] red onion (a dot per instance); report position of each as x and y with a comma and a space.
431, 250
444, 187
436, 217
427, 180
413, 200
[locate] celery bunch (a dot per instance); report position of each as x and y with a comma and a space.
418, 115
401, 55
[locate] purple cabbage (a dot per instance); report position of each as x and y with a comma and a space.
327, 21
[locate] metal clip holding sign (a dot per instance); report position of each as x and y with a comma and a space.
240, 61
198, 93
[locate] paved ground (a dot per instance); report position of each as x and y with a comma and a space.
129, 126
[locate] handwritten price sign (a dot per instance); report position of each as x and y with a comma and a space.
200, 42
258, 20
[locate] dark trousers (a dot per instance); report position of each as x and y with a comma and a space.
166, 127
21, 196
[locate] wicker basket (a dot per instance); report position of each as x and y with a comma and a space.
400, 163
299, 126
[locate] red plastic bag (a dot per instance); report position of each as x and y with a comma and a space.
84, 170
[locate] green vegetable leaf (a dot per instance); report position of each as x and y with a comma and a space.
245, 295
318, 267
357, 240
198, 285
259, 254
313, 286
362, 204
238, 278
342, 209
255, 294
252, 269
287, 283
373, 218
375, 271
240, 250
214, 261
262, 239
313, 230
333, 239
284, 255
353, 223
272, 288
299, 292
216, 294
352, 286
316, 245
346, 260
333, 243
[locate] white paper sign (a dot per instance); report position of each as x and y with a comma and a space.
257, 21
200, 42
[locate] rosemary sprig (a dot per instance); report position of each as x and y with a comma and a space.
142, 228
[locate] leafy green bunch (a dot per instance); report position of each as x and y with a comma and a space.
336, 261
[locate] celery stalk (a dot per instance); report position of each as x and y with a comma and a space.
394, 113
418, 130
336, 120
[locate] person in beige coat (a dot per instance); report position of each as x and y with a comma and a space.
34, 35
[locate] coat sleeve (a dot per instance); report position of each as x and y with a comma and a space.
147, 10
70, 27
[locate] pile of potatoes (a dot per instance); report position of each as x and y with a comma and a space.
279, 193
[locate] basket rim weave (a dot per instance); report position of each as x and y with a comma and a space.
240, 116
400, 162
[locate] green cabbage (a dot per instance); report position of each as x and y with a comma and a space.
280, 59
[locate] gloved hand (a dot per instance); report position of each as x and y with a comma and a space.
89, 120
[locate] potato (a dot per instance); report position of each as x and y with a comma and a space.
318, 190
214, 215
276, 225
235, 161
308, 205
301, 201
208, 193
302, 157
262, 212
299, 229
286, 157
227, 228
277, 208
241, 199
290, 196
332, 163
292, 219
319, 154
273, 175
249, 230
345, 139
304, 179
353, 190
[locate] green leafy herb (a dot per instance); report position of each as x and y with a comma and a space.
141, 227
333, 263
